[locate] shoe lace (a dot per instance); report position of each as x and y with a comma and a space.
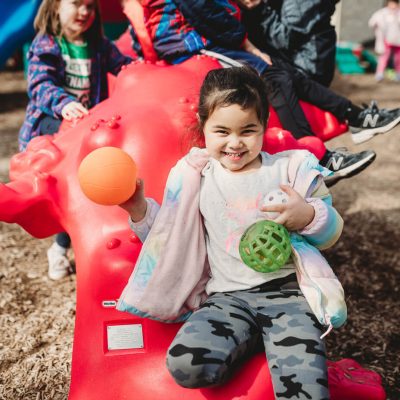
372, 108
329, 324
341, 150
373, 105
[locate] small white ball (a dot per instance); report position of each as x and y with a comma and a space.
274, 197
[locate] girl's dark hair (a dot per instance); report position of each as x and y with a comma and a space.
47, 21
237, 85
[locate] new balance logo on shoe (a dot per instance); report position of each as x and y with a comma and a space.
344, 164
370, 121
334, 163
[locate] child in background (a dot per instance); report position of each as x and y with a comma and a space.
299, 32
191, 250
182, 28
67, 75
386, 23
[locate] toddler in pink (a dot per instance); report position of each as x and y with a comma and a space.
386, 23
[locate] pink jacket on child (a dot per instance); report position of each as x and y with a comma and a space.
172, 270
386, 24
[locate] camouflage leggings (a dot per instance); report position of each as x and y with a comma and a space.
227, 327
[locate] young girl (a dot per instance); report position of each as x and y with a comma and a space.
190, 260
67, 74
386, 23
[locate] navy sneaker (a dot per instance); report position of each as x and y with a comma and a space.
371, 121
344, 164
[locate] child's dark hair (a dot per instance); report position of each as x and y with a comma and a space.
237, 85
47, 21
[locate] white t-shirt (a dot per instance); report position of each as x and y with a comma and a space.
230, 203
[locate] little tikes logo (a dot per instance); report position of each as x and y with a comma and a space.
370, 120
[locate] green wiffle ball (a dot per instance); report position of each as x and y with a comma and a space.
265, 246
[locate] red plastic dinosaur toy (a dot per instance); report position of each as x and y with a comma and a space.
118, 356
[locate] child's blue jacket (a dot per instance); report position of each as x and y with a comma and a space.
183, 28
46, 76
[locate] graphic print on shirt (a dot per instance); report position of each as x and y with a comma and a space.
241, 214
78, 68
77, 79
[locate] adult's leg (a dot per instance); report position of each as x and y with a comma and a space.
283, 98
213, 340
313, 92
291, 334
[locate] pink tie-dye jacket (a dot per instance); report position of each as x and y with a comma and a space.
172, 270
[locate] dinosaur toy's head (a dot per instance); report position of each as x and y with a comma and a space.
148, 115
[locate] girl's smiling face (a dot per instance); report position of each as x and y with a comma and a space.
234, 137
76, 17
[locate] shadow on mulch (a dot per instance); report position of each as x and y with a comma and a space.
12, 101
367, 262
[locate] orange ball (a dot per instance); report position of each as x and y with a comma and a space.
108, 176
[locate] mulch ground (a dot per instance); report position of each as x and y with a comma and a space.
37, 315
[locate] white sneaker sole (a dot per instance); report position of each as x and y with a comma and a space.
368, 134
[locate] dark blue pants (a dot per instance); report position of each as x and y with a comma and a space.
243, 57
63, 240
48, 126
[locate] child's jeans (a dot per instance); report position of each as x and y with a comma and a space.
63, 240
384, 60
49, 126
227, 329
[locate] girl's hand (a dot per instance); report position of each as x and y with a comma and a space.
136, 206
250, 48
74, 110
296, 214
